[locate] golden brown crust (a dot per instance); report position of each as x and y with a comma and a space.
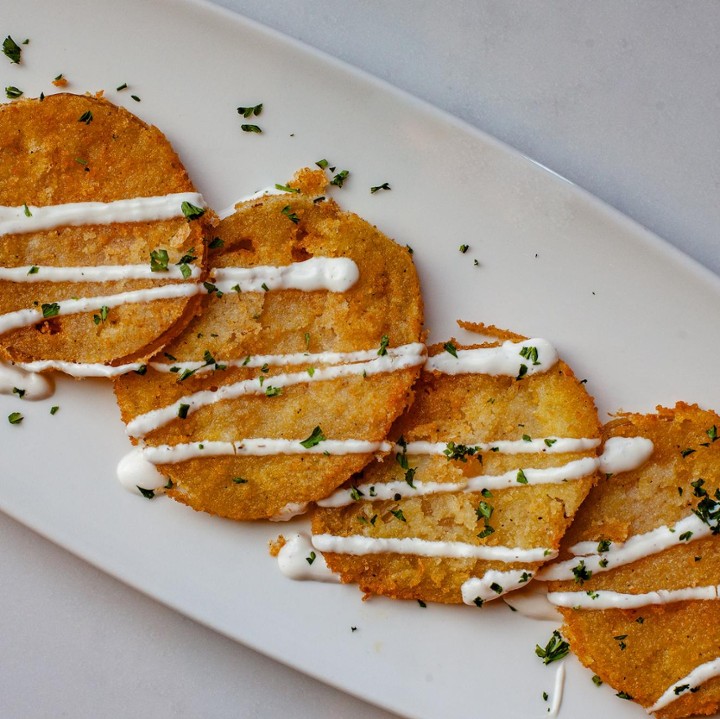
47, 157
385, 301
664, 643
467, 409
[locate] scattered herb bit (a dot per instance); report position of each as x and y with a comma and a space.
286, 188
50, 310
307, 340
422, 604
292, 216
54, 409
464, 248
142, 369
15, 418
240, 480
159, 261
709, 511
410, 250
273, 391
486, 493
681, 688
521, 478
311, 371
450, 347
712, 433
478, 602
19, 392
686, 452
476, 263
377, 188
596, 680
316, 436
191, 211
685, 536
251, 128
13, 92
12, 50
250, 111
619, 638
697, 486
339, 179
624, 695
119, 88
410, 476
398, 514
640, 620
97, 319
311, 558
27, 212
384, 341
603, 545
522, 372
80, 161
496, 588
322, 164
215, 243
524, 577
353, 629
86, 117
484, 511
486, 532
591, 594
531, 354
147, 493
526, 438
236, 288
545, 696
459, 451
183, 411
265, 287
135, 97
211, 288
185, 270
355, 494
680, 491
603, 562
556, 648
581, 572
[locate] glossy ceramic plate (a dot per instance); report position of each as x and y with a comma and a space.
626, 310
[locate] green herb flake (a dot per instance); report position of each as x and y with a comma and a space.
384, 341
50, 310
596, 680
450, 347
316, 436
545, 696
398, 514
250, 110
211, 288
410, 476
581, 573
147, 493
619, 638
292, 216
265, 287
712, 433
603, 562
15, 418
215, 243
19, 392
86, 117
192, 212
159, 260
54, 409
603, 545
556, 648
339, 179
12, 50
478, 602
183, 411
422, 604
251, 128
624, 695
12, 92
26, 211
521, 478
273, 391
286, 188
135, 97
377, 188
680, 689
104, 310
119, 88
522, 372
530, 354
685, 536
687, 452
464, 248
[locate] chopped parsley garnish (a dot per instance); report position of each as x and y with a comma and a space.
685, 536
135, 97
147, 493
311, 371
377, 188
556, 648
521, 478
619, 639
464, 248
339, 179
292, 216
33, 270
211, 288
142, 369
410, 250
121, 87
192, 212
104, 310
709, 511
27, 212
355, 494
54, 409
478, 602
384, 341
450, 347
603, 545
603, 562
15, 418
159, 261
286, 188
496, 588
596, 680
311, 558
410, 476
183, 411
526, 438
680, 689
581, 573
422, 604
398, 514
522, 372
265, 287
273, 391
240, 480
12, 50
459, 451
486, 532
250, 110
712, 433
697, 486
50, 310
12, 92
530, 354
624, 695
324, 164
86, 117
251, 128
215, 243
185, 271
686, 452
640, 620
316, 436
484, 511
19, 392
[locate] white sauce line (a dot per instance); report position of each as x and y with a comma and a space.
493, 584
557, 691
299, 560
139, 209
145, 423
25, 318
641, 545
606, 599
574, 470
173, 454
92, 273
698, 676
505, 359
547, 445
622, 454
75, 369
134, 471
34, 386
357, 545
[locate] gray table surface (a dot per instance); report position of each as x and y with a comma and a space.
621, 97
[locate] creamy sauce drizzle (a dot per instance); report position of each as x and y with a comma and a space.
14, 377
358, 545
531, 601
637, 547
299, 560
145, 423
493, 584
503, 360
606, 599
576, 469
290, 510
699, 675
25, 318
134, 471
557, 694
175, 453
622, 454
78, 369
139, 209
547, 445
92, 273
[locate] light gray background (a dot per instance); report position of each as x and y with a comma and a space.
622, 97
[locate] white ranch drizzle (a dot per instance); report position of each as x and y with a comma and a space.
139, 209
154, 419
606, 599
271, 190
176, 453
134, 471
299, 560
637, 547
547, 445
493, 584
283, 360
358, 545
15, 377
505, 359
698, 676
531, 601
25, 318
577, 469
92, 273
290, 510
622, 454
79, 369
557, 694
